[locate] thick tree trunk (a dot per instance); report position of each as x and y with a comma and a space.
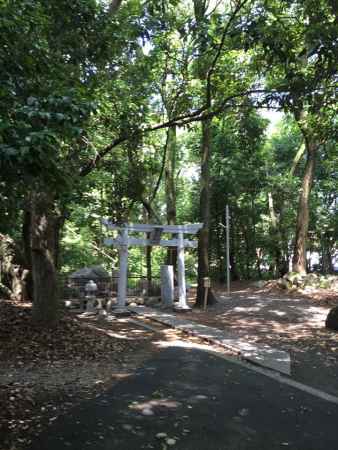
43, 222
299, 252
259, 255
60, 218
221, 255
233, 272
149, 250
253, 239
233, 250
326, 257
246, 233
201, 16
284, 267
170, 189
276, 238
26, 239
203, 241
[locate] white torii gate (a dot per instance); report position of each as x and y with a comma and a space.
123, 241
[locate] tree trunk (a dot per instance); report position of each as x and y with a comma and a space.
326, 257
259, 255
233, 272
149, 250
299, 253
297, 158
233, 249
276, 238
253, 240
246, 233
203, 241
221, 255
43, 222
26, 239
60, 218
280, 245
201, 17
170, 190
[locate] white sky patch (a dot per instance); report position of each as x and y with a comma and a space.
191, 173
216, 5
273, 116
146, 47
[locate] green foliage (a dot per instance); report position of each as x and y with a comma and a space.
74, 78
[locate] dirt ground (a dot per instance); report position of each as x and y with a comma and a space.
45, 373
294, 323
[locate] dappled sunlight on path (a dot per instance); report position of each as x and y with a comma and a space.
293, 324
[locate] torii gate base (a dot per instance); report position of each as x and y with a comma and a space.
121, 312
123, 242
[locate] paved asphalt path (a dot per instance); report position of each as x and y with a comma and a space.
201, 401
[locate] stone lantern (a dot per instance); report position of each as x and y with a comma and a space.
91, 290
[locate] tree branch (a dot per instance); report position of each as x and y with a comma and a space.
149, 209
162, 170
195, 116
147, 204
297, 158
100, 250
220, 47
114, 6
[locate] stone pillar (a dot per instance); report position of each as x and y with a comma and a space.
90, 289
123, 273
182, 294
90, 304
167, 285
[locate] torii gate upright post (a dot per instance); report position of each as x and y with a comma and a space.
123, 272
182, 293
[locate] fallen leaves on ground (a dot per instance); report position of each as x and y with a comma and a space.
318, 296
45, 371
294, 323
22, 339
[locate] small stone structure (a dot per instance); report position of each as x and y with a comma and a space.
78, 280
91, 289
97, 273
332, 319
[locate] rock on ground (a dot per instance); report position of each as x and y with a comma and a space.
332, 319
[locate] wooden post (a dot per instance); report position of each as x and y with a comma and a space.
227, 224
123, 272
206, 285
206, 291
182, 294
